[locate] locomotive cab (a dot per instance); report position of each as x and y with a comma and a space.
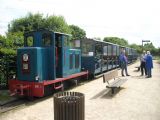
47, 55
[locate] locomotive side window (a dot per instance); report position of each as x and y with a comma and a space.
71, 61
29, 41
76, 60
46, 39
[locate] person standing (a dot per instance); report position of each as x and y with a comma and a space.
123, 63
143, 63
149, 64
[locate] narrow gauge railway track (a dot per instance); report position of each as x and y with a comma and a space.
20, 103
12, 105
24, 102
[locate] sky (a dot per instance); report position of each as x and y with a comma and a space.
133, 20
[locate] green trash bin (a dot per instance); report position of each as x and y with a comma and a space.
69, 106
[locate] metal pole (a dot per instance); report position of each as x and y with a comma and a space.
144, 41
142, 45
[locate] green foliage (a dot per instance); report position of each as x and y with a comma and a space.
137, 47
29, 22
116, 40
151, 48
37, 21
7, 51
57, 23
6, 46
77, 32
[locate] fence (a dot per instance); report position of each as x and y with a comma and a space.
7, 69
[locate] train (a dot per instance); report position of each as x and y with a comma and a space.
49, 59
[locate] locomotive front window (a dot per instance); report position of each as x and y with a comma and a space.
29, 40
46, 39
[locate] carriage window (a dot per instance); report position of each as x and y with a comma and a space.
109, 49
118, 51
105, 50
87, 48
46, 39
114, 50
29, 41
98, 49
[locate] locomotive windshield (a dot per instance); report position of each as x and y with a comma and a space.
29, 40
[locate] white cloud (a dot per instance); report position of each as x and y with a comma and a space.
133, 20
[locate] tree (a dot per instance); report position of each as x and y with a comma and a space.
37, 21
137, 47
29, 22
57, 24
150, 47
77, 32
116, 40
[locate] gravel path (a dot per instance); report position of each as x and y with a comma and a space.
138, 99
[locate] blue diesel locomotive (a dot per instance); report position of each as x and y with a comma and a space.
47, 60
44, 63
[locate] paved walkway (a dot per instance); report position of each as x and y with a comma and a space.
138, 99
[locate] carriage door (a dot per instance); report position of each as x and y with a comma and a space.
58, 54
98, 57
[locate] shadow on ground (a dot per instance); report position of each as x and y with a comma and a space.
107, 93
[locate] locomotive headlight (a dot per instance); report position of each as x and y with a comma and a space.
37, 77
25, 57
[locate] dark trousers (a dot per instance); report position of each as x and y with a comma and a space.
124, 67
149, 72
143, 68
